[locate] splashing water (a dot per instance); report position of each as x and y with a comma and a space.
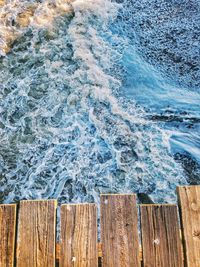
80, 107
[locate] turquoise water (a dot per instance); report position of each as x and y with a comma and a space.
98, 99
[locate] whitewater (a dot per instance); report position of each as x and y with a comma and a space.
87, 108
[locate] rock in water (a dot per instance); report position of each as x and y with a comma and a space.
144, 198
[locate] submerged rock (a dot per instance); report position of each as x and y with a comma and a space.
190, 166
128, 155
120, 143
102, 158
144, 198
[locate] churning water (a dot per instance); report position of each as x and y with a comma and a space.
98, 96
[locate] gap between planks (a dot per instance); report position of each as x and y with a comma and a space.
99, 247
99, 244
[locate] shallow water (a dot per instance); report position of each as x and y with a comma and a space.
88, 105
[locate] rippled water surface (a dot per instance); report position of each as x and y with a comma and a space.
98, 96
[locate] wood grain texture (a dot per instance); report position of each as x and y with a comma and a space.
7, 234
189, 203
161, 242
119, 231
79, 236
99, 247
36, 234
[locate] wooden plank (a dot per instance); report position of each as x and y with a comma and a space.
161, 242
119, 231
79, 236
58, 251
7, 234
99, 246
36, 234
189, 202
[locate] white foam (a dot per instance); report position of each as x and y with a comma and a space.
85, 140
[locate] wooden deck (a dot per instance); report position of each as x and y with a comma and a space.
28, 233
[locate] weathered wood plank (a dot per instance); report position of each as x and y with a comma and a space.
36, 234
7, 234
99, 246
161, 240
79, 236
119, 231
189, 202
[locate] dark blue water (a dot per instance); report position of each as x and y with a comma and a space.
98, 97
162, 71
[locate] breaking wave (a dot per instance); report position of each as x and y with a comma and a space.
74, 114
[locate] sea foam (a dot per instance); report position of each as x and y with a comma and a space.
65, 130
